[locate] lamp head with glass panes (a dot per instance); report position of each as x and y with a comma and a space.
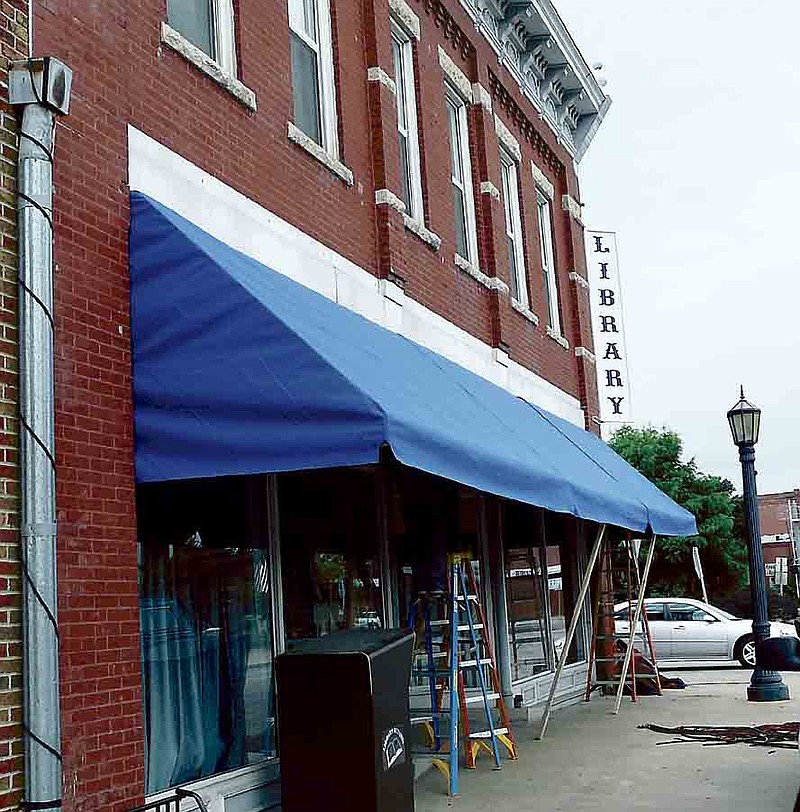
744, 419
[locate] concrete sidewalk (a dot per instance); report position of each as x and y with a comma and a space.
592, 760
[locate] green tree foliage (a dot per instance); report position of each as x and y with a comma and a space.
723, 551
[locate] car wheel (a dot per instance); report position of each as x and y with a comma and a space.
745, 651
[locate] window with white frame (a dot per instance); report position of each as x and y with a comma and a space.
544, 211
516, 257
312, 72
461, 176
410, 173
208, 25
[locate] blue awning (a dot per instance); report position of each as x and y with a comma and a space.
239, 370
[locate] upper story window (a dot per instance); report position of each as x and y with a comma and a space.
516, 257
461, 176
410, 173
544, 211
208, 25
312, 72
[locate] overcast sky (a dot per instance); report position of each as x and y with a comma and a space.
697, 168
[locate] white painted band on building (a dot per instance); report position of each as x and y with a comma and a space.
257, 232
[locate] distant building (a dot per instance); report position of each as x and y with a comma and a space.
780, 531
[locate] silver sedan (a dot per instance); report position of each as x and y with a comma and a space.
687, 630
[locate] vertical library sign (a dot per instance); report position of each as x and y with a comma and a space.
607, 327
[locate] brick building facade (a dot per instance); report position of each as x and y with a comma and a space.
779, 514
204, 114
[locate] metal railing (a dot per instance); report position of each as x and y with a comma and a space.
172, 803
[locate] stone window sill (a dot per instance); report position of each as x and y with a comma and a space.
427, 236
558, 338
297, 136
525, 311
203, 62
490, 282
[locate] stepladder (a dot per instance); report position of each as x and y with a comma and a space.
461, 675
612, 668
489, 730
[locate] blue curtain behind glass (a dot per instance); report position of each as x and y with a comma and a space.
195, 644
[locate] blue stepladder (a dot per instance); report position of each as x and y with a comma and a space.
455, 640
430, 618
476, 658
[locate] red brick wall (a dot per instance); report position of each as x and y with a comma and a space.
123, 74
773, 511
14, 39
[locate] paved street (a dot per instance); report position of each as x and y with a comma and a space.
592, 760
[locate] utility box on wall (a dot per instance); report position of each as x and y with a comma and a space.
343, 723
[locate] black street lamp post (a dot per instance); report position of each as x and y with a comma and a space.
745, 419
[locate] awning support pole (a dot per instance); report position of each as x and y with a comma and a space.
637, 616
573, 625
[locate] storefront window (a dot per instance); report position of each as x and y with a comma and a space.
527, 620
562, 582
329, 552
206, 630
528, 629
541, 555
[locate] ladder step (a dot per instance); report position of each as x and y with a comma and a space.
487, 734
466, 627
473, 598
475, 663
473, 700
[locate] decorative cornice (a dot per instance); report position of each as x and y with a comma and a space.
443, 20
534, 46
488, 188
403, 14
426, 235
525, 311
517, 116
385, 197
482, 97
582, 352
380, 75
578, 280
543, 182
507, 139
568, 203
456, 76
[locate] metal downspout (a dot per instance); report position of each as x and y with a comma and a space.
29, 89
